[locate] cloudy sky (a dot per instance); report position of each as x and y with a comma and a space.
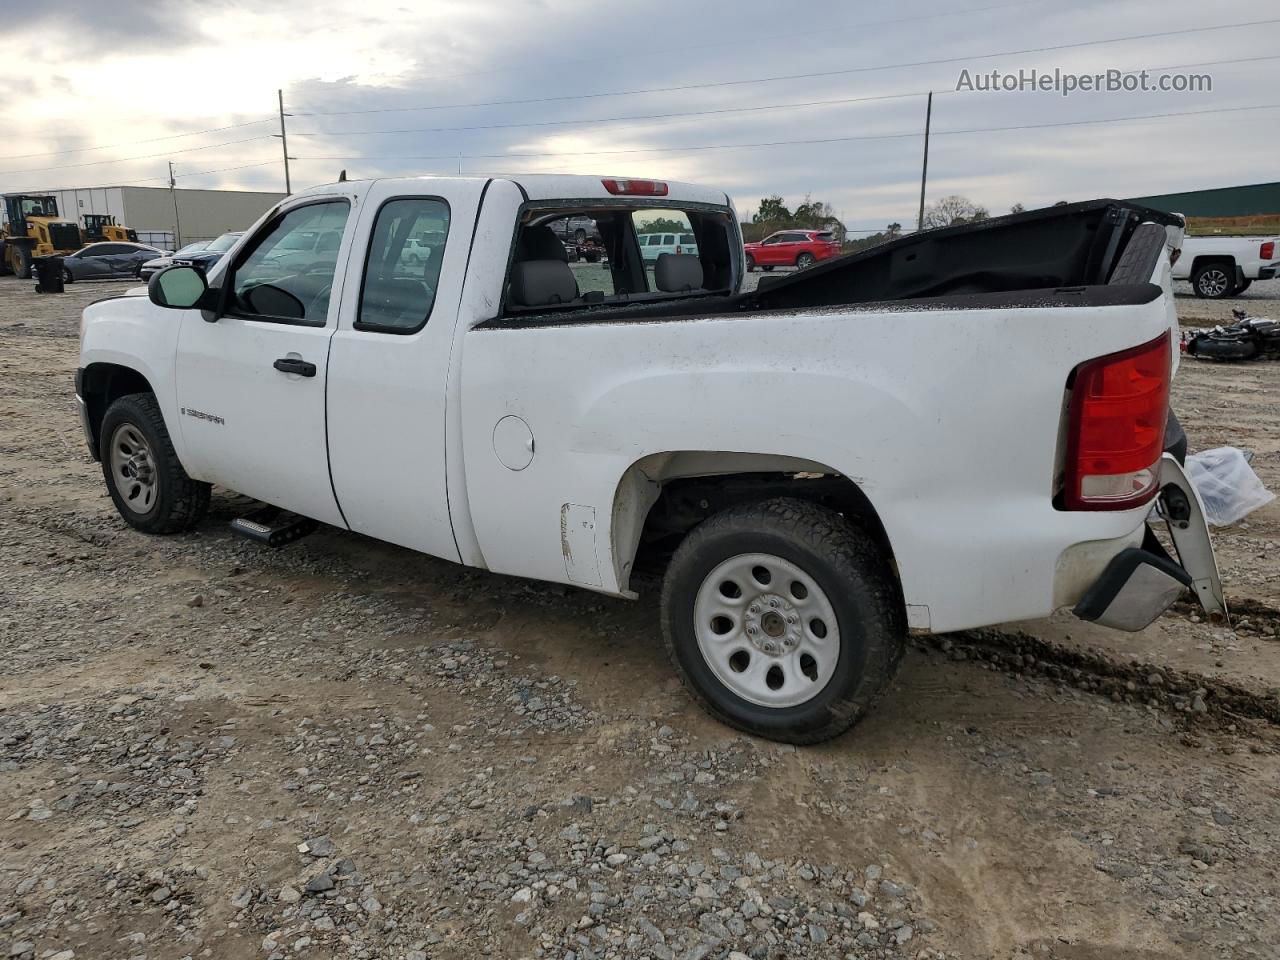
819, 97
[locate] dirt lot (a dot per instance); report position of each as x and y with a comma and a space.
210, 749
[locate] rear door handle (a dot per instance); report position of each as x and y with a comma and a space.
293, 365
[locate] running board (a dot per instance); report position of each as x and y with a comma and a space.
273, 526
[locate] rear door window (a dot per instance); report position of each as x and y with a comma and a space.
402, 271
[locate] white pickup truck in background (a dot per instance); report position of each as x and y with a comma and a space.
1221, 267
951, 430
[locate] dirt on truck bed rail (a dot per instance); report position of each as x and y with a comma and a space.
343, 749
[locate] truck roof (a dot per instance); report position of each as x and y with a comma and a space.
542, 186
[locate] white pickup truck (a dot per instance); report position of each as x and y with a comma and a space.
1225, 266
951, 430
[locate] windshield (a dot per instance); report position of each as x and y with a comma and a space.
39, 207
223, 243
191, 248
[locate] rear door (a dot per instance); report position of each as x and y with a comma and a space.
251, 383
389, 363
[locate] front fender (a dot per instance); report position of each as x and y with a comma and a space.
132, 332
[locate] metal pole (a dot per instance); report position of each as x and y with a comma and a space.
924, 171
177, 224
284, 143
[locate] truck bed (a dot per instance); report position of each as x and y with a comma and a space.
1059, 256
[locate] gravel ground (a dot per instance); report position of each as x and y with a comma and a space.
342, 749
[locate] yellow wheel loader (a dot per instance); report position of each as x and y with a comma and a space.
103, 226
34, 229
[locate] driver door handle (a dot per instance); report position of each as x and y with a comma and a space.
293, 365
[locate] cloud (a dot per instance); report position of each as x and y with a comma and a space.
455, 64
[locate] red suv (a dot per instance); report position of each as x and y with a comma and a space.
799, 248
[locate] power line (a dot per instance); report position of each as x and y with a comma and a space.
650, 116
135, 143
150, 156
823, 140
798, 76
718, 111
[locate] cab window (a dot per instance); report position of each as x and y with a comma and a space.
287, 273
402, 271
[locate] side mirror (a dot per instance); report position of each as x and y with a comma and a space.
179, 288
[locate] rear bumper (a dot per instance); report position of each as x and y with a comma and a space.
1141, 582
1268, 273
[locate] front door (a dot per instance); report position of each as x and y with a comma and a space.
251, 383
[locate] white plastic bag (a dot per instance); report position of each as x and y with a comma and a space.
1227, 485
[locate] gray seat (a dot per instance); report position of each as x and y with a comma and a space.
541, 275
541, 283
678, 273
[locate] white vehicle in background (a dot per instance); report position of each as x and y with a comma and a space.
1221, 267
932, 435
654, 245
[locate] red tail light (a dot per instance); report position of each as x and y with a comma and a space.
1115, 431
1267, 251
636, 188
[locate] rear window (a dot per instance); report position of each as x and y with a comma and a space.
545, 273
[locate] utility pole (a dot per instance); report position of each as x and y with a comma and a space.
284, 143
924, 172
177, 224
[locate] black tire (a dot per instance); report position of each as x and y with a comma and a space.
68, 276
848, 567
20, 262
179, 503
580, 235
1208, 349
805, 261
1214, 281
751, 263
766, 268
1243, 286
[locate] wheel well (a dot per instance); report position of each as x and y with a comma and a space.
663, 497
101, 385
1205, 260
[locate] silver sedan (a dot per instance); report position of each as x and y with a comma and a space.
108, 261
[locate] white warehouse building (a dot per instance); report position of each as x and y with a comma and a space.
164, 218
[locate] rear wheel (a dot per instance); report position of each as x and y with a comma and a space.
782, 619
805, 261
148, 485
1244, 285
1213, 281
580, 235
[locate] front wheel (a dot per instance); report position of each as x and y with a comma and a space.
148, 485
751, 263
20, 262
805, 261
1214, 281
68, 276
782, 619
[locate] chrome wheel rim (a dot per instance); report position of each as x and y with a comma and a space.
133, 469
1213, 283
767, 630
